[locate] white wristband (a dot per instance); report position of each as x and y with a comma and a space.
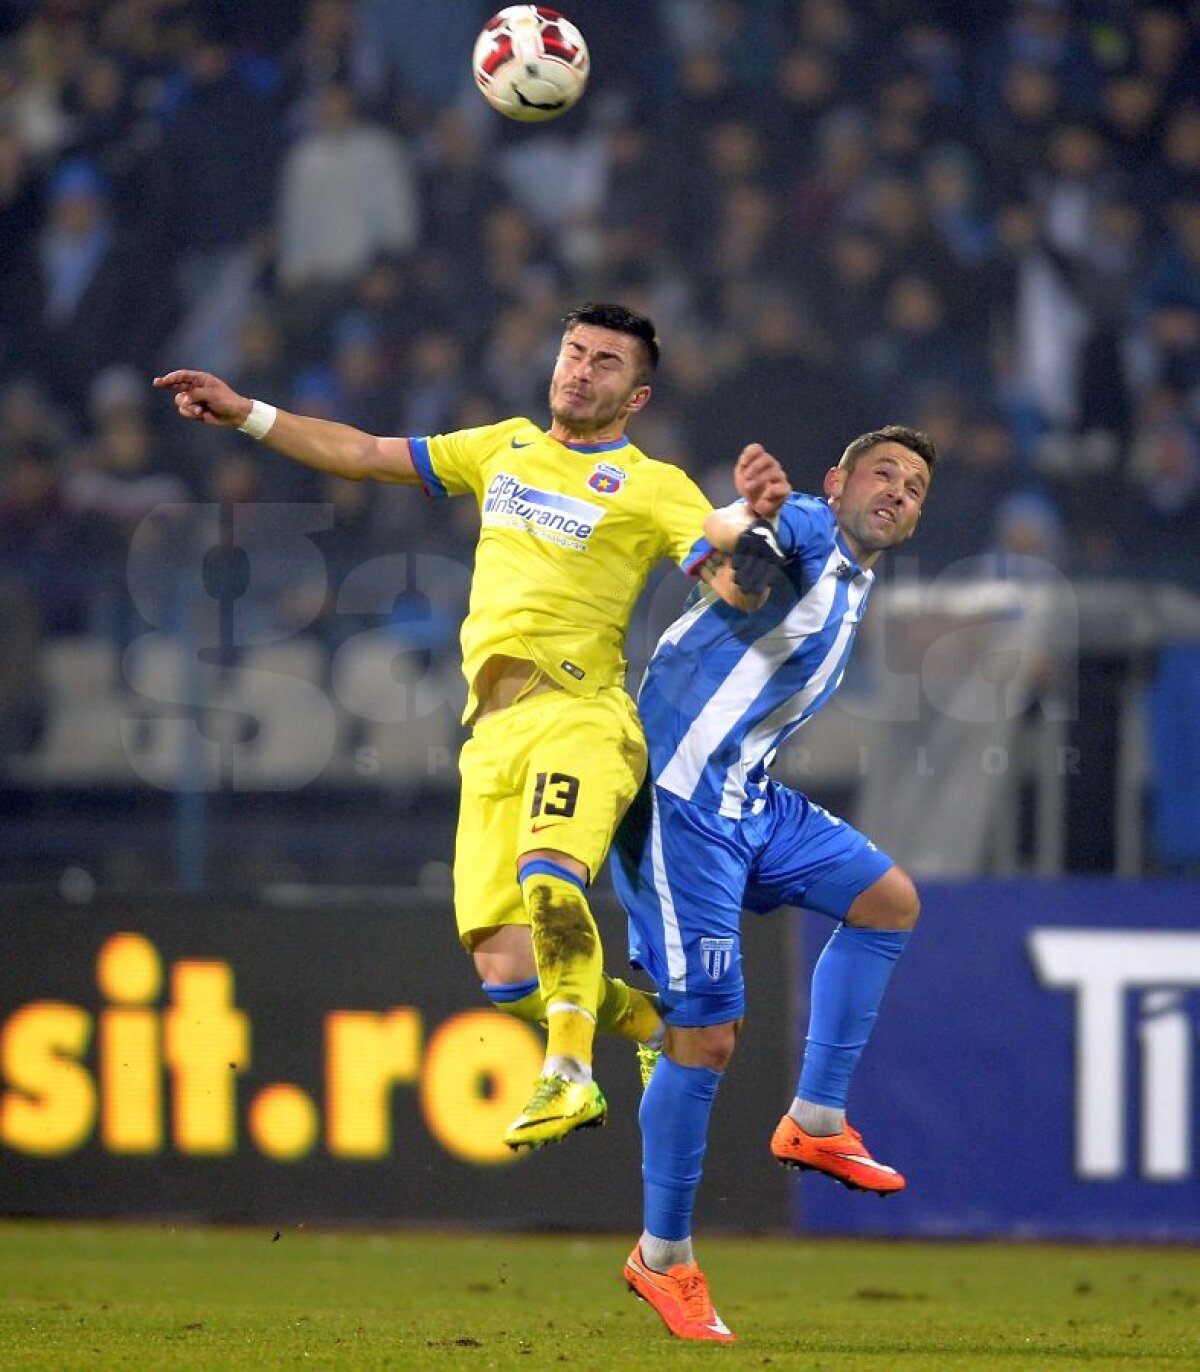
260, 419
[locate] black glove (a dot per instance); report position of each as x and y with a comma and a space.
756, 556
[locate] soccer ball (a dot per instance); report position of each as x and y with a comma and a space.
530, 63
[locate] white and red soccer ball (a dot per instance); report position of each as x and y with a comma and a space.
530, 63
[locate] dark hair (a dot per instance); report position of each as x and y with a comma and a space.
620, 320
915, 440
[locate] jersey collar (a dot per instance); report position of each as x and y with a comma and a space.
611, 446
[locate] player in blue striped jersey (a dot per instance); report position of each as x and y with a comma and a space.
712, 834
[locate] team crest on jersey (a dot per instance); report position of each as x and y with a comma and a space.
716, 954
607, 479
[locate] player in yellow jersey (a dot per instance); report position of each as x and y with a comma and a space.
572, 520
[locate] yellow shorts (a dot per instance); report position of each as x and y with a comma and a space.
553, 771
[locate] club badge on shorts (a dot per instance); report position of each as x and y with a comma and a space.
607, 479
716, 954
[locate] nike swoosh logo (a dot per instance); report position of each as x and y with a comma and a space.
522, 445
864, 1162
537, 828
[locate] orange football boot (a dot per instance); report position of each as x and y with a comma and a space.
680, 1296
843, 1157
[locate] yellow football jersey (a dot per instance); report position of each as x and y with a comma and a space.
569, 534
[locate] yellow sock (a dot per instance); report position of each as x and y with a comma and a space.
566, 947
531, 1008
627, 1012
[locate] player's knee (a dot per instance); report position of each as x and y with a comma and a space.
891, 903
710, 1045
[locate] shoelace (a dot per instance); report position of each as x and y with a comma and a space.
693, 1294
550, 1088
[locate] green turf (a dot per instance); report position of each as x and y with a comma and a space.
102, 1296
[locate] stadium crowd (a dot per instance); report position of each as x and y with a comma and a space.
980, 220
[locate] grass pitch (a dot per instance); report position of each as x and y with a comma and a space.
100, 1296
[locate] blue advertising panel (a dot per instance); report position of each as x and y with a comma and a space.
1033, 1071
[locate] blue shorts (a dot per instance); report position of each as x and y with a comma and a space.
684, 875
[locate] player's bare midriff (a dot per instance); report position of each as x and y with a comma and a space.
502, 681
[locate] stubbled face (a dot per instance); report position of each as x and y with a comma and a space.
595, 385
878, 502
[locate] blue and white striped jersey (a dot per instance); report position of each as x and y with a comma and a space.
724, 689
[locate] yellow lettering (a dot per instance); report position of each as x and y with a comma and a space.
478, 1070
365, 1056
283, 1122
129, 973
130, 1082
50, 1106
206, 1045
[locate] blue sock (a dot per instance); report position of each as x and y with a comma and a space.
674, 1120
848, 983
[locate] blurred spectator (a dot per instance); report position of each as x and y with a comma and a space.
509, 268
1131, 110
977, 472
1165, 338
1027, 537
459, 182
118, 486
320, 55
1016, 132
1160, 518
829, 189
20, 205
22, 699
897, 212
952, 180
30, 92
833, 26
85, 293
1076, 181
741, 244
366, 396
40, 544
930, 47
785, 392
432, 384
348, 193
807, 86
514, 366
412, 51
1042, 34
630, 221
1165, 49
908, 118
847, 280
916, 346
215, 170
29, 416
1177, 177
260, 366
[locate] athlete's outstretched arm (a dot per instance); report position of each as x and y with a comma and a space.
321, 444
